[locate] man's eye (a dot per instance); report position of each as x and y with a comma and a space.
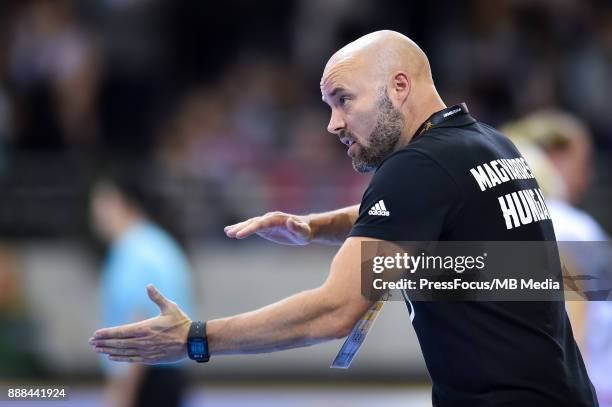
343, 100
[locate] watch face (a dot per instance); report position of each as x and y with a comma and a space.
197, 347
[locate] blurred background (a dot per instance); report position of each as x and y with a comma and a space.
216, 107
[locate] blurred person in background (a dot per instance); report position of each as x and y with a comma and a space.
295, 190
141, 252
17, 328
557, 146
53, 65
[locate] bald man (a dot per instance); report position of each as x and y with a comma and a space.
386, 110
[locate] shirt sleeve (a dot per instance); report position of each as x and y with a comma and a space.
125, 299
410, 198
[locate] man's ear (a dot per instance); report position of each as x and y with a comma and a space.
400, 87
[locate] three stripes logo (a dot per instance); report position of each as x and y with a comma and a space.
379, 209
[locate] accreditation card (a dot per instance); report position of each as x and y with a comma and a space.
353, 342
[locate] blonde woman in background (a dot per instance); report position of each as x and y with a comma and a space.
557, 146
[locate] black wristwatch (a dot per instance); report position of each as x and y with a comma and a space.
197, 342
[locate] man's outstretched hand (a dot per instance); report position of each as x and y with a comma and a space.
162, 339
277, 227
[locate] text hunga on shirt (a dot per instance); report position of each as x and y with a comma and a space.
520, 207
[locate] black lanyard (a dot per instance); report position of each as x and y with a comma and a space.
441, 116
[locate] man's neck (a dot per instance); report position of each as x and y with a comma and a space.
419, 113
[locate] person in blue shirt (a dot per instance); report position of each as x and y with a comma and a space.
140, 252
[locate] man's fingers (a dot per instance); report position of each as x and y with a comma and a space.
149, 359
129, 359
238, 232
158, 298
261, 224
230, 227
246, 228
131, 343
251, 228
119, 352
134, 330
230, 231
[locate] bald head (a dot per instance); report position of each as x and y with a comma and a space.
381, 53
380, 89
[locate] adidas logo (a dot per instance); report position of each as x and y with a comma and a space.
379, 209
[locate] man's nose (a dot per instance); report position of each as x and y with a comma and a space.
336, 124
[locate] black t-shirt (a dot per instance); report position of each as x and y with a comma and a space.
463, 180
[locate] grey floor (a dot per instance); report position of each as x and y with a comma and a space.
268, 396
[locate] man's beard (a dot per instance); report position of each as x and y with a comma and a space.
384, 137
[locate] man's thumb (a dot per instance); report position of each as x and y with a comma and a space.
296, 226
157, 298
